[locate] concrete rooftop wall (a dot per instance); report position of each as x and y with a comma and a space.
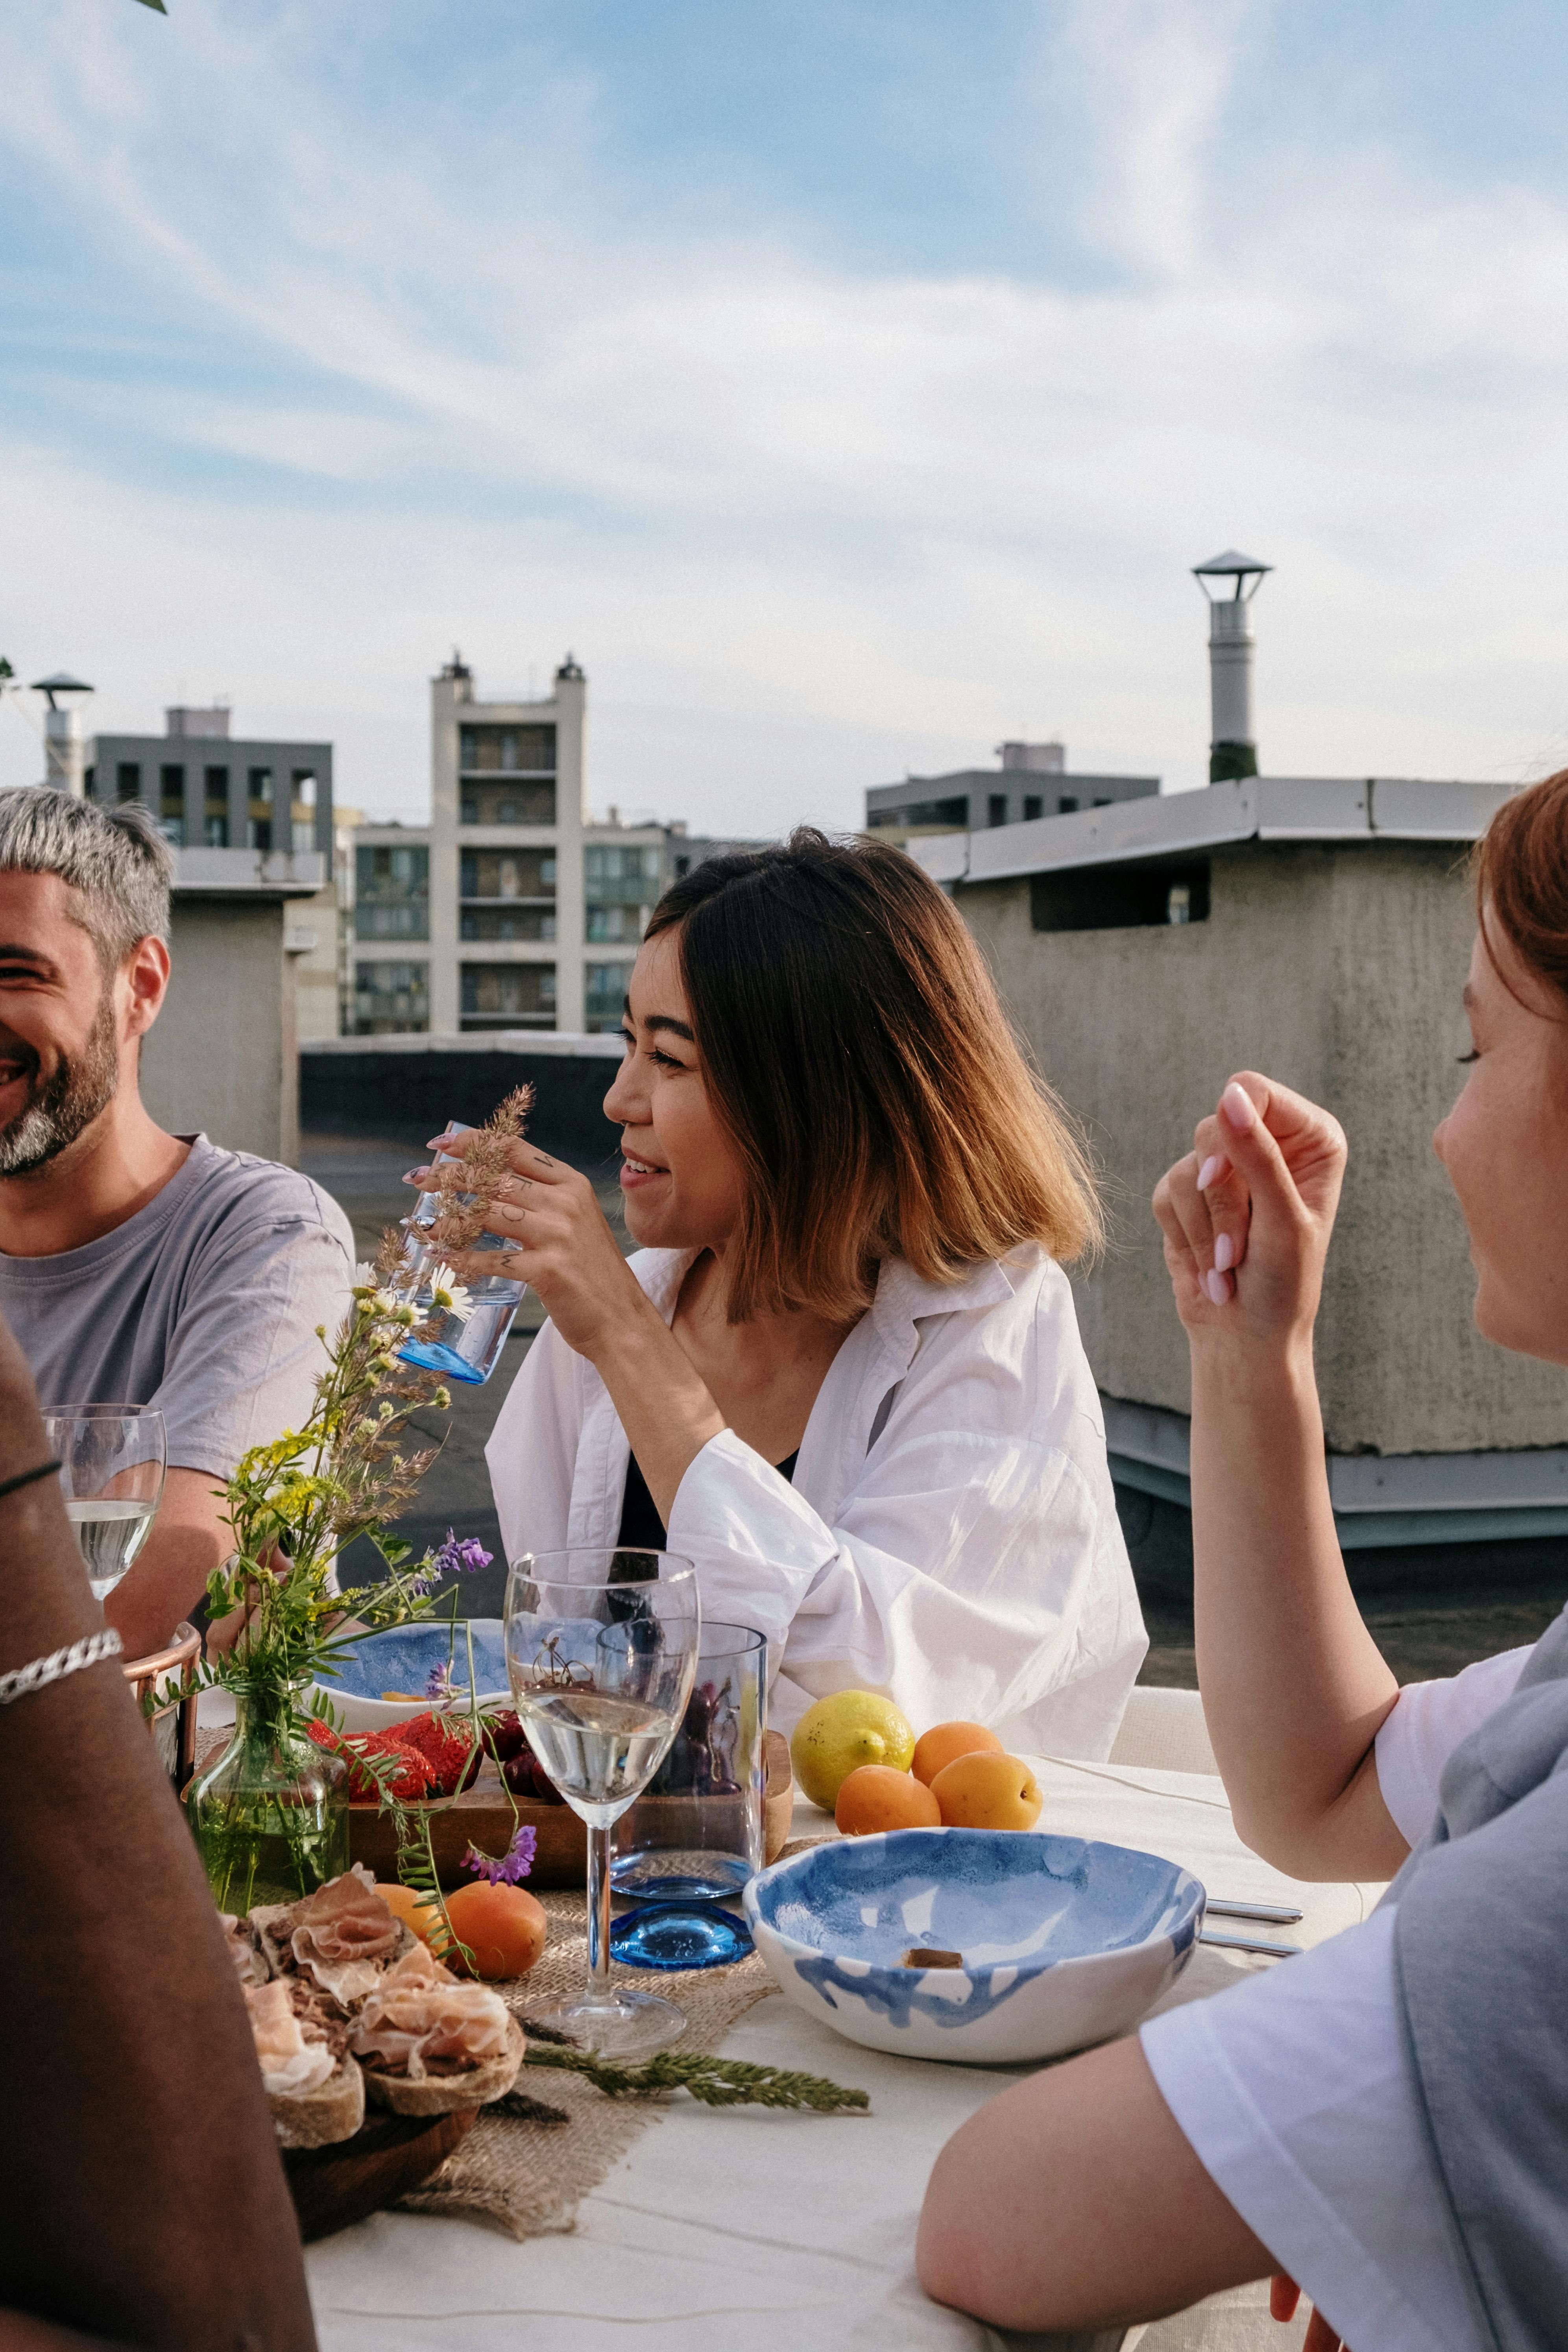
222, 1057
1336, 968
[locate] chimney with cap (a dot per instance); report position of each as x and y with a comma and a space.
1233, 748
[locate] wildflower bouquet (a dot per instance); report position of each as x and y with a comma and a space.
272, 1813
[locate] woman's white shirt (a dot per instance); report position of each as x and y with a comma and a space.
1295, 2093
950, 1536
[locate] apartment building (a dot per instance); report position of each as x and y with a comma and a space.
208, 789
513, 909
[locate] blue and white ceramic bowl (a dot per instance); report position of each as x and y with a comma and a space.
403, 1659
1064, 1942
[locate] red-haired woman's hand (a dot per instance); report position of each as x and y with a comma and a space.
1247, 1215
1284, 2294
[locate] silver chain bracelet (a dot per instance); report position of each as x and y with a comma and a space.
87, 1652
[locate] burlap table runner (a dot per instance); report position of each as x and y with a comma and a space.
527, 2176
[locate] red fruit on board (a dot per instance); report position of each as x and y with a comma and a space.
415, 1780
448, 1747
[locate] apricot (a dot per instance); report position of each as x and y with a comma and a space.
504, 1926
987, 1792
415, 1911
944, 1741
875, 1796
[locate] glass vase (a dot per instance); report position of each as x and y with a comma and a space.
270, 1814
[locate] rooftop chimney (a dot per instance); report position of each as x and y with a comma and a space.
63, 768
1233, 748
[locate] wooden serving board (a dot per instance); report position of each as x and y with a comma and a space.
482, 1816
332, 2187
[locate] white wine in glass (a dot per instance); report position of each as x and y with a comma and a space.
112, 1471
601, 1649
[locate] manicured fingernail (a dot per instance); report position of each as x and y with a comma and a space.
1236, 1105
414, 1174
1223, 1254
1217, 1287
1211, 1168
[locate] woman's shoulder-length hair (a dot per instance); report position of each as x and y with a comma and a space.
857, 1053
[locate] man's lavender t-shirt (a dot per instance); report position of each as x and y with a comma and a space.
204, 1303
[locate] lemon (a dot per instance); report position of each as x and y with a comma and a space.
839, 1733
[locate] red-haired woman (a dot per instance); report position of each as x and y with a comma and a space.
1385, 2119
843, 1369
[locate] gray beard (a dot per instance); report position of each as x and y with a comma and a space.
70, 1101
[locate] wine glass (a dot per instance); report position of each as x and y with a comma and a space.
113, 1458
601, 1651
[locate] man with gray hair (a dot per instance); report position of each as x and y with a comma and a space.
137, 1266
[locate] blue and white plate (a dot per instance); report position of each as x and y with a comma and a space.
1064, 1942
403, 1659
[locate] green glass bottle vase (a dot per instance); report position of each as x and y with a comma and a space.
270, 1814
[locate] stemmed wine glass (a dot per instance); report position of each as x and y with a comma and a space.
113, 1458
601, 1652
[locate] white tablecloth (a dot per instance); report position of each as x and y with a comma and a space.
785, 2231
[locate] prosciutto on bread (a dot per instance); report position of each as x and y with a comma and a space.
429, 2044
314, 2090
341, 1936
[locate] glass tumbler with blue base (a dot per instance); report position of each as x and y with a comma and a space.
465, 1347
687, 1847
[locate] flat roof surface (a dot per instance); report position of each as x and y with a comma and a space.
1259, 808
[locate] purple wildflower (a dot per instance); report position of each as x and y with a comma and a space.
454, 1557
514, 1865
438, 1681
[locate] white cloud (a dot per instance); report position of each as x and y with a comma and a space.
806, 526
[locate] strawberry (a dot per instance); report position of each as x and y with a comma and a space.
449, 1748
416, 1779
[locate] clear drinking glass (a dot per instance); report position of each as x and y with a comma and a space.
467, 1347
113, 1458
601, 1649
695, 1835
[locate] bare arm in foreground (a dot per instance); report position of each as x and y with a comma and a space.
1074, 2200
140, 2179
1294, 1687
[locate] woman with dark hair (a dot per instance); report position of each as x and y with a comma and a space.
1386, 2118
843, 1370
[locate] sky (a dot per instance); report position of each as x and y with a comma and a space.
849, 383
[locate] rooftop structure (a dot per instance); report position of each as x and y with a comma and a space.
1032, 782
1317, 929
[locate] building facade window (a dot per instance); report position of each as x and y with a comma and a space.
954, 814
303, 810
172, 806
523, 803
505, 923
391, 999
392, 891
605, 999
528, 750
621, 885
1034, 806
258, 809
996, 808
508, 995
214, 809
506, 873
128, 781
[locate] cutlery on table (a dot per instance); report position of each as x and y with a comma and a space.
1251, 1944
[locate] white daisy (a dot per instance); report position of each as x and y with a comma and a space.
449, 1294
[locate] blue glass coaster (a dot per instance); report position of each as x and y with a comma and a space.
674, 1936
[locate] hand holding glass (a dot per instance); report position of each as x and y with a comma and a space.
113, 1458
601, 1651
